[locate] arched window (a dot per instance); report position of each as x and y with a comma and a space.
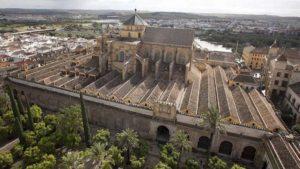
248, 153
181, 59
156, 55
225, 148
121, 56
162, 135
204, 142
169, 57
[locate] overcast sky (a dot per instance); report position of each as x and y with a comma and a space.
271, 7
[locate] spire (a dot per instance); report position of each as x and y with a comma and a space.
135, 20
275, 44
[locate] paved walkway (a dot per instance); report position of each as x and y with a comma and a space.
9, 145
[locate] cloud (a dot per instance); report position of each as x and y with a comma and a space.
274, 7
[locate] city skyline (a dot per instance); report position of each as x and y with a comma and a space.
267, 7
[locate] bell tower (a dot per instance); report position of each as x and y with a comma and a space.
134, 27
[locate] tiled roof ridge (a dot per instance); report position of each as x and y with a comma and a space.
228, 95
255, 106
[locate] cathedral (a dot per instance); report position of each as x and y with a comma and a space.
145, 78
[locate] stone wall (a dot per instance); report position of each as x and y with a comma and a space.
117, 116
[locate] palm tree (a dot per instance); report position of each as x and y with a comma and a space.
73, 160
212, 119
129, 140
181, 142
101, 156
86, 127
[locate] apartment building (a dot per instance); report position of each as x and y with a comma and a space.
283, 71
255, 58
292, 100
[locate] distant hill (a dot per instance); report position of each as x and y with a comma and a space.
145, 14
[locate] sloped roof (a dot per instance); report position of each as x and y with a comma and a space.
261, 50
284, 151
135, 20
169, 36
265, 111
246, 110
282, 57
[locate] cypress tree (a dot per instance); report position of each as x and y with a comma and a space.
30, 119
20, 104
19, 130
18, 125
13, 103
86, 127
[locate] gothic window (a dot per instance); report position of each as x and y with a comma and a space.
182, 60
156, 56
121, 56
168, 58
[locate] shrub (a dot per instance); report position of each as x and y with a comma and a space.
236, 166
169, 155
30, 138
48, 162
162, 165
6, 132
216, 163
8, 117
17, 151
47, 145
142, 150
102, 136
32, 155
137, 163
116, 155
36, 112
70, 126
72, 140
191, 164
51, 120
41, 129
6, 160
